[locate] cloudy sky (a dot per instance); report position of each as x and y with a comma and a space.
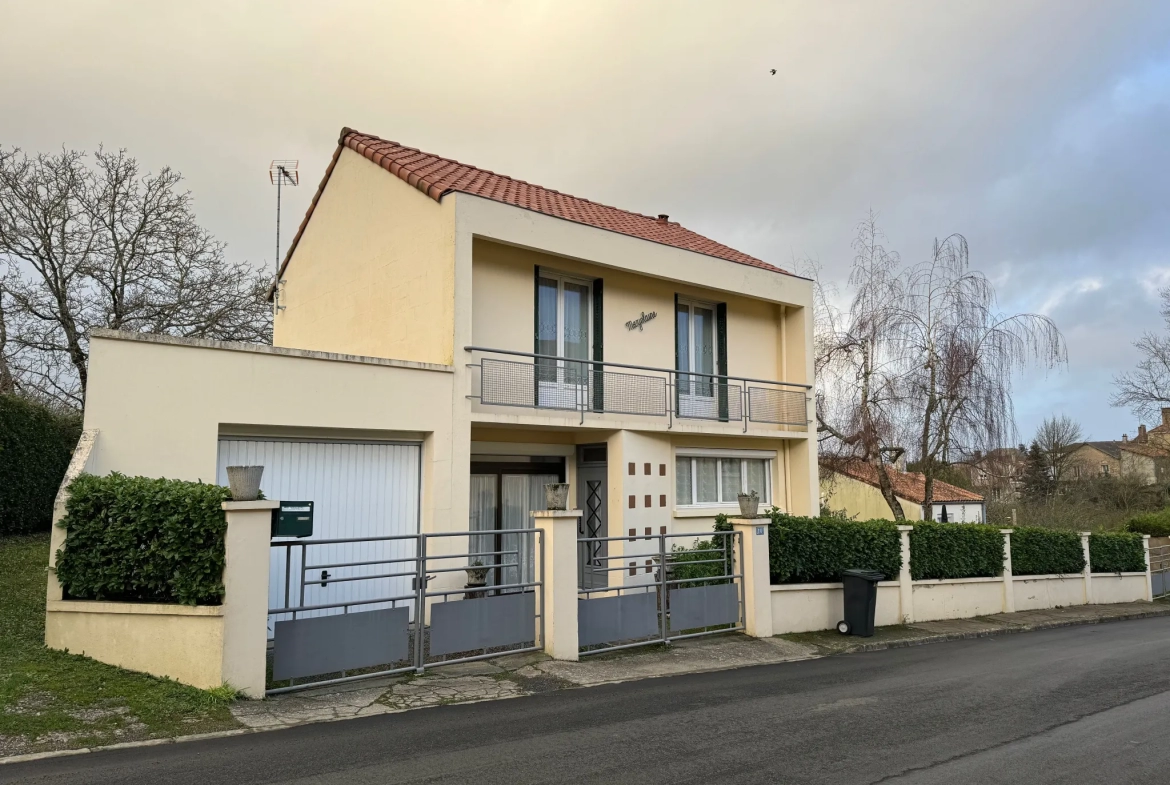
1040, 130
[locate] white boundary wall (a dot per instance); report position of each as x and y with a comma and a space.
807, 607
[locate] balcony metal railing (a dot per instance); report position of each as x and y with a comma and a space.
539, 381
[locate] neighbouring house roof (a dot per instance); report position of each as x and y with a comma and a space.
1148, 450
1162, 428
1112, 449
436, 176
910, 486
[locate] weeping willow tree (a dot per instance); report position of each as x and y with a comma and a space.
921, 362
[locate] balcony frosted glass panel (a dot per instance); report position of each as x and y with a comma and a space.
546, 328
576, 337
704, 349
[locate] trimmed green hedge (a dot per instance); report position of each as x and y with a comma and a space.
815, 550
137, 539
1040, 551
1155, 524
955, 550
1117, 552
36, 443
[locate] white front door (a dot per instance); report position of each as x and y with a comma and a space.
359, 489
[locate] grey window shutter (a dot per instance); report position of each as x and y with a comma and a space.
721, 365
598, 375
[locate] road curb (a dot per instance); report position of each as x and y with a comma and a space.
1006, 630
129, 745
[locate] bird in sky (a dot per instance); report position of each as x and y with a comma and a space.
773, 72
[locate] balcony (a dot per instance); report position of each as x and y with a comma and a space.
536, 381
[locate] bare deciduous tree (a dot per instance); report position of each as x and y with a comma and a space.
105, 245
1146, 389
858, 395
1056, 437
923, 363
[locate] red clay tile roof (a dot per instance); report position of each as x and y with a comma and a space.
908, 486
436, 176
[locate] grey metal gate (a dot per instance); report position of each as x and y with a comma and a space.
1160, 570
666, 590
403, 624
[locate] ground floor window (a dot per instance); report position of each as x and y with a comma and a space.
717, 480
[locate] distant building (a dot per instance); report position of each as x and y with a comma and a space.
853, 488
1145, 459
996, 473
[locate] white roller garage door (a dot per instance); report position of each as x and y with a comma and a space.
360, 489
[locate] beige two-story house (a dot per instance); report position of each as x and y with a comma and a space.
447, 341
657, 371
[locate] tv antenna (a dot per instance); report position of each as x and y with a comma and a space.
282, 173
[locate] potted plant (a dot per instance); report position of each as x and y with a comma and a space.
476, 574
556, 496
749, 504
244, 482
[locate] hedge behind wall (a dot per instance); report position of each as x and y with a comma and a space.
36, 443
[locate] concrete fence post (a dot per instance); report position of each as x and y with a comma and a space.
1149, 576
757, 583
905, 579
1009, 589
1087, 573
245, 598
557, 568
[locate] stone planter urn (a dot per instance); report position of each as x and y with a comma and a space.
556, 496
244, 482
476, 574
749, 504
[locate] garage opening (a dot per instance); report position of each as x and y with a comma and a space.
360, 489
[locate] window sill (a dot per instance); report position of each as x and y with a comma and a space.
709, 512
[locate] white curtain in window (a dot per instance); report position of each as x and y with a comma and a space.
730, 469
522, 495
483, 515
682, 481
706, 485
757, 477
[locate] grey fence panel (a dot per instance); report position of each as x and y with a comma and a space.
329, 644
483, 623
704, 606
624, 617
783, 407
1159, 583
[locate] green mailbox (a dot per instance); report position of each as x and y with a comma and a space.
293, 519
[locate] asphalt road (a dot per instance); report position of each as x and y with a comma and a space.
1080, 704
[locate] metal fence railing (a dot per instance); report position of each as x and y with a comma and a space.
662, 590
538, 381
323, 631
1160, 570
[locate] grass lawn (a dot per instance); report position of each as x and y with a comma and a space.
52, 700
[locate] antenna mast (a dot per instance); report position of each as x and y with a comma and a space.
281, 173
